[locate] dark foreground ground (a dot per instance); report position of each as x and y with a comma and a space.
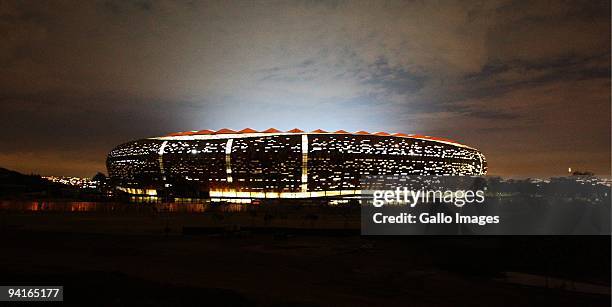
281, 268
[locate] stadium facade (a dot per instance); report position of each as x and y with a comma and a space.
249, 164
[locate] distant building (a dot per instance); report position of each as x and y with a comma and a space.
249, 164
583, 174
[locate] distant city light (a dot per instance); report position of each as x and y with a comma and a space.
83, 183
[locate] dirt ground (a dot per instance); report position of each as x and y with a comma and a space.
102, 265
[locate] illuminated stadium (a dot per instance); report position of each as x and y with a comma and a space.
247, 164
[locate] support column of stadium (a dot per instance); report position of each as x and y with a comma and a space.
228, 159
304, 185
481, 170
161, 160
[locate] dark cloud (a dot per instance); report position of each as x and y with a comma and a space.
394, 79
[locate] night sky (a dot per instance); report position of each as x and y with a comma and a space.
526, 82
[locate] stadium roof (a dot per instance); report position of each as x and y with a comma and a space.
298, 131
